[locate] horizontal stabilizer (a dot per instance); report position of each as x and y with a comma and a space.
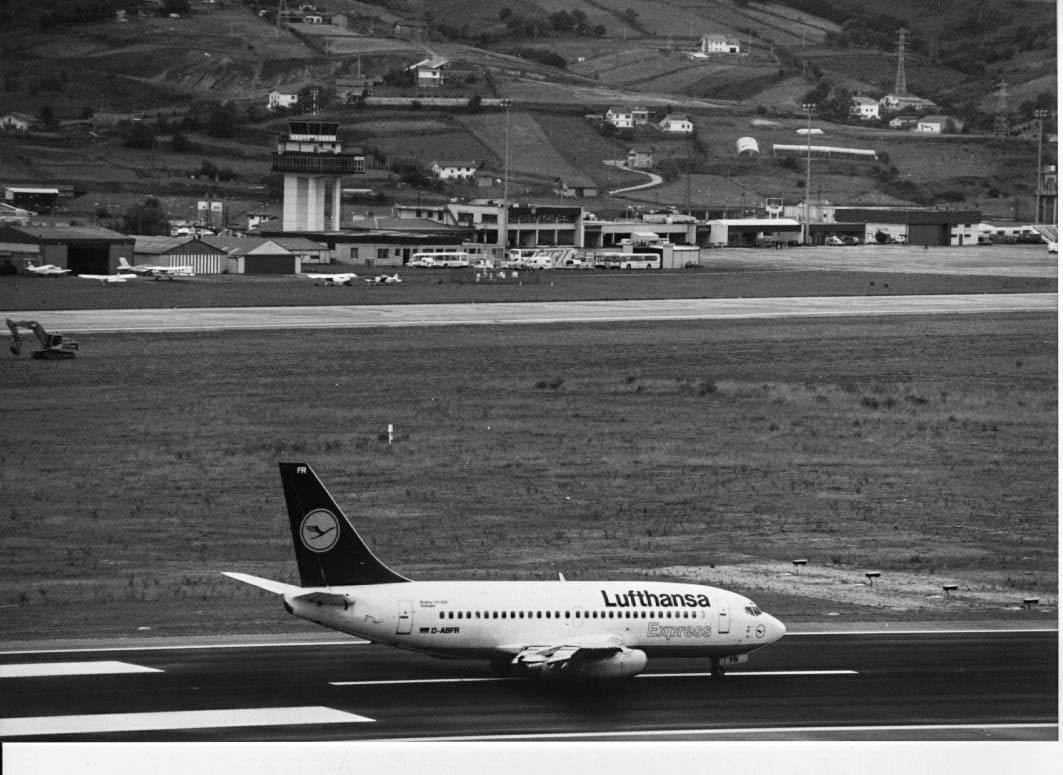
276, 587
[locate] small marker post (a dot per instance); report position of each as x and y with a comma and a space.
871, 576
949, 588
797, 566
1030, 602
391, 433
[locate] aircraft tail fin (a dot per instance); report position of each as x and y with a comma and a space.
123, 264
328, 549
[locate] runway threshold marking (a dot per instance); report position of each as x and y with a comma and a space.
187, 719
720, 731
40, 669
501, 679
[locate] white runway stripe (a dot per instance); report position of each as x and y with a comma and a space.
39, 669
188, 719
729, 732
191, 647
750, 673
499, 679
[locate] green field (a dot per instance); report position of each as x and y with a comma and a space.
923, 447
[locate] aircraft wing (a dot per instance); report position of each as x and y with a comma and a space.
598, 656
587, 656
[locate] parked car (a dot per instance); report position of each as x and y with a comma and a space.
833, 239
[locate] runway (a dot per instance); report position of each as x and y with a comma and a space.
943, 685
248, 318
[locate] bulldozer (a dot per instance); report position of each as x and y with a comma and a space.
53, 346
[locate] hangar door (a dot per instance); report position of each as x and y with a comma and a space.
928, 234
88, 259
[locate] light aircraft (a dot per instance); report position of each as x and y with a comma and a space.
109, 279
341, 278
157, 272
577, 629
384, 279
46, 270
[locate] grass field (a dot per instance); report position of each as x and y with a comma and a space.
925, 448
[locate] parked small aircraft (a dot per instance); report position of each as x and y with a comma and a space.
45, 270
384, 279
109, 279
341, 278
579, 629
158, 272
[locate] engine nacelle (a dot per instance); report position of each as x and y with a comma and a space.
623, 664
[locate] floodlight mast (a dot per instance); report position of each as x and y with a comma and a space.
806, 238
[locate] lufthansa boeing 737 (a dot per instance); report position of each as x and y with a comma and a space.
580, 629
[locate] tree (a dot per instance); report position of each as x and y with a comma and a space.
222, 120
140, 136
147, 218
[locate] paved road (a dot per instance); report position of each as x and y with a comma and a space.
836, 686
232, 318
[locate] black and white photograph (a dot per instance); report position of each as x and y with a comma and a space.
563, 386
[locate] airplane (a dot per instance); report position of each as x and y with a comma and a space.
343, 278
384, 279
158, 272
553, 629
109, 279
45, 270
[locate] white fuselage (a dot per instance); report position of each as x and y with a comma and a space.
484, 619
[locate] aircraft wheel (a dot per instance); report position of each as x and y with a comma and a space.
718, 671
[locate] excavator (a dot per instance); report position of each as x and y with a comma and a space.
53, 347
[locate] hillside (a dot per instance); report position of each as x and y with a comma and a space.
180, 74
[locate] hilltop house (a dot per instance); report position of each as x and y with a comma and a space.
895, 103
720, 44
410, 28
676, 123
454, 170
621, 118
864, 108
17, 123
639, 160
428, 73
903, 122
280, 99
941, 125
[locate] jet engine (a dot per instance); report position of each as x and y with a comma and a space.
582, 662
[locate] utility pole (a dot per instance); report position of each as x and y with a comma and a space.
808, 107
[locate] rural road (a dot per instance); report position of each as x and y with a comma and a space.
246, 318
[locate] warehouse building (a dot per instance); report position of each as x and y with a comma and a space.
81, 249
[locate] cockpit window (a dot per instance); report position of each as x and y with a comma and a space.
752, 610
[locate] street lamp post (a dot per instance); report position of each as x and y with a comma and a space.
806, 238
1041, 115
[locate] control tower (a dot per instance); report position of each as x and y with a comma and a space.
313, 162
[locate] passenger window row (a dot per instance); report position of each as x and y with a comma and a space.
572, 615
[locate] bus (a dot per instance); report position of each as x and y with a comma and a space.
628, 260
425, 260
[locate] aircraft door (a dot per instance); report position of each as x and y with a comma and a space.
405, 621
724, 626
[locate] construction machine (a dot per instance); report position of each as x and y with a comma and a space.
53, 347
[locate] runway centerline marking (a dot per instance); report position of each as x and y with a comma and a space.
501, 679
186, 719
44, 669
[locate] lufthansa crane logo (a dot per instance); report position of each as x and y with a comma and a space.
320, 530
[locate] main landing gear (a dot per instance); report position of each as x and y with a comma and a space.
718, 670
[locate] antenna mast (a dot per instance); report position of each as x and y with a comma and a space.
1001, 122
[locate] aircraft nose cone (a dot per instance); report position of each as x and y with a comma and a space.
778, 629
